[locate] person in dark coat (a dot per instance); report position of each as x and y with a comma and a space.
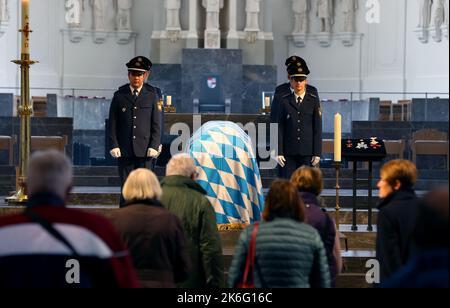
429, 268
289, 253
49, 245
135, 121
397, 215
187, 199
154, 236
299, 124
309, 183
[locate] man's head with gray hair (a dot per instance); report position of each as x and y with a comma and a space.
181, 164
50, 172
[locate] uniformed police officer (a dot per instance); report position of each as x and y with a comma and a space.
299, 123
286, 88
135, 119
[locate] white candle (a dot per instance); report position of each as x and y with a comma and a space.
169, 100
267, 102
337, 137
25, 26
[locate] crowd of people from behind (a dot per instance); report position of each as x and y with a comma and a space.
166, 234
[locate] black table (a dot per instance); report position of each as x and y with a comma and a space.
363, 150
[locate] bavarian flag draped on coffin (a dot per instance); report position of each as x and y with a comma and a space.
229, 173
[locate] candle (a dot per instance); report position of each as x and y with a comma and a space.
267, 102
337, 137
25, 26
169, 100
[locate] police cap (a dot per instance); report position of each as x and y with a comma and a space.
139, 64
298, 68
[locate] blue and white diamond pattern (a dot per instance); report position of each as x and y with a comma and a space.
228, 171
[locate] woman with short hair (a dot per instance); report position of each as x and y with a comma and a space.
153, 235
309, 183
398, 209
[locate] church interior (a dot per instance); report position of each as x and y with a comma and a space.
383, 66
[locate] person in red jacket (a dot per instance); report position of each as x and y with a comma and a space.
50, 245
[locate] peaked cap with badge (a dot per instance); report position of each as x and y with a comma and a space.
297, 67
139, 64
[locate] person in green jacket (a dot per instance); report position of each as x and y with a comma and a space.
187, 199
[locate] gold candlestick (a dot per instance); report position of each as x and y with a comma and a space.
25, 110
337, 166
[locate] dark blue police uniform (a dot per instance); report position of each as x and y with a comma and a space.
135, 127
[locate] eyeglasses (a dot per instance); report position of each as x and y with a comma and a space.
298, 78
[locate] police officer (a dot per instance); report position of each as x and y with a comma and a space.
299, 123
286, 88
135, 119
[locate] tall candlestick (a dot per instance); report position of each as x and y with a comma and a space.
337, 137
169, 100
267, 102
25, 26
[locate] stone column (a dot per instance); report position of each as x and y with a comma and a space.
232, 38
192, 37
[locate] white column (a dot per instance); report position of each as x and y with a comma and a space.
192, 37
232, 38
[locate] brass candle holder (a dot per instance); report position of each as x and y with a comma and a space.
25, 111
337, 166
170, 109
265, 110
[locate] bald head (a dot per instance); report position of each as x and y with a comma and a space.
49, 171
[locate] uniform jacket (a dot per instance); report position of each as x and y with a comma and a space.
280, 92
156, 242
289, 254
31, 257
300, 126
135, 126
187, 200
396, 221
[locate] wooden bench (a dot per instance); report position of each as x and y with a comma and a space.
49, 142
7, 143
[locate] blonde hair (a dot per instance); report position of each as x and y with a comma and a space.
141, 184
181, 164
49, 171
400, 170
308, 179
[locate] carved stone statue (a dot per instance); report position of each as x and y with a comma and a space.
446, 17
212, 13
123, 17
173, 14
325, 14
348, 9
424, 13
437, 14
73, 15
252, 8
98, 12
4, 15
301, 9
